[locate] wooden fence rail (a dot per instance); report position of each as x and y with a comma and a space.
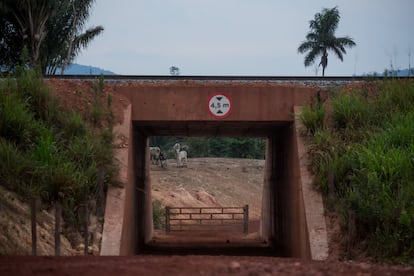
58, 214
200, 218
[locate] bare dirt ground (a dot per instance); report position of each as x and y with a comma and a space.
15, 229
210, 182
224, 182
205, 182
188, 265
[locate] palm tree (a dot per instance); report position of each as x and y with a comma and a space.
51, 30
321, 39
66, 37
29, 19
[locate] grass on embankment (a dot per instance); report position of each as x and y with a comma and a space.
368, 145
50, 152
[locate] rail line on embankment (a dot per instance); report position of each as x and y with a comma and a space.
299, 80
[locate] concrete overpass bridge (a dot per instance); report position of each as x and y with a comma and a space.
292, 213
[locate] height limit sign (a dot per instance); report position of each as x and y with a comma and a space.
219, 105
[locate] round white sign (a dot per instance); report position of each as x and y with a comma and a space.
219, 105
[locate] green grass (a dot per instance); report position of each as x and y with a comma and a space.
158, 214
370, 150
313, 117
350, 111
47, 152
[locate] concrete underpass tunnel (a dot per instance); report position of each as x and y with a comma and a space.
290, 222
282, 218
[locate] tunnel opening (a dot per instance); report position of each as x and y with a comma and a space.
292, 218
213, 197
282, 226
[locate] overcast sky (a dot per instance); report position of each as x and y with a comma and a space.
244, 37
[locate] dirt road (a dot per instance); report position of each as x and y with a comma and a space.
188, 265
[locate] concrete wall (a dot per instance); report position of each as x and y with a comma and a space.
283, 220
137, 193
184, 101
292, 210
129, 232
115, 197
313, 216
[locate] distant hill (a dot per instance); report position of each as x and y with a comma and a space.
401, 73
78, 69
397, 73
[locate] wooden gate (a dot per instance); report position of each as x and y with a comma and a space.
205, 218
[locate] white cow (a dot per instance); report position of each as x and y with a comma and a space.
177, 147
155, 155
181, 156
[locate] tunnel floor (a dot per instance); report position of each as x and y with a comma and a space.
214, 241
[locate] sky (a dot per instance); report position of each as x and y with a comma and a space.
245, 37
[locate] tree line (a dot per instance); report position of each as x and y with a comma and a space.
230, 147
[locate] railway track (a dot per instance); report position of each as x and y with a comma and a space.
221, 78
298, 80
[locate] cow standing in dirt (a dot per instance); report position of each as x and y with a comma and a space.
155, 155
163, 160
181, 156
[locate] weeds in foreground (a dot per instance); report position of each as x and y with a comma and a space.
47, 152
313, 117
370, 152
158, 214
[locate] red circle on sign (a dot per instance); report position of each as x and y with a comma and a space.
219, 105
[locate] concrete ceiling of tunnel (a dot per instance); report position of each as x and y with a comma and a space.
208, 129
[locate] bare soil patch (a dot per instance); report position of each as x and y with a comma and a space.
225, 182
189, 265
210, 182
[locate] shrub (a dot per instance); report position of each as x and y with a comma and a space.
313, 117
158, 214
371, 153
16, 121
47, 153
16, 171
349, 111
75, 125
